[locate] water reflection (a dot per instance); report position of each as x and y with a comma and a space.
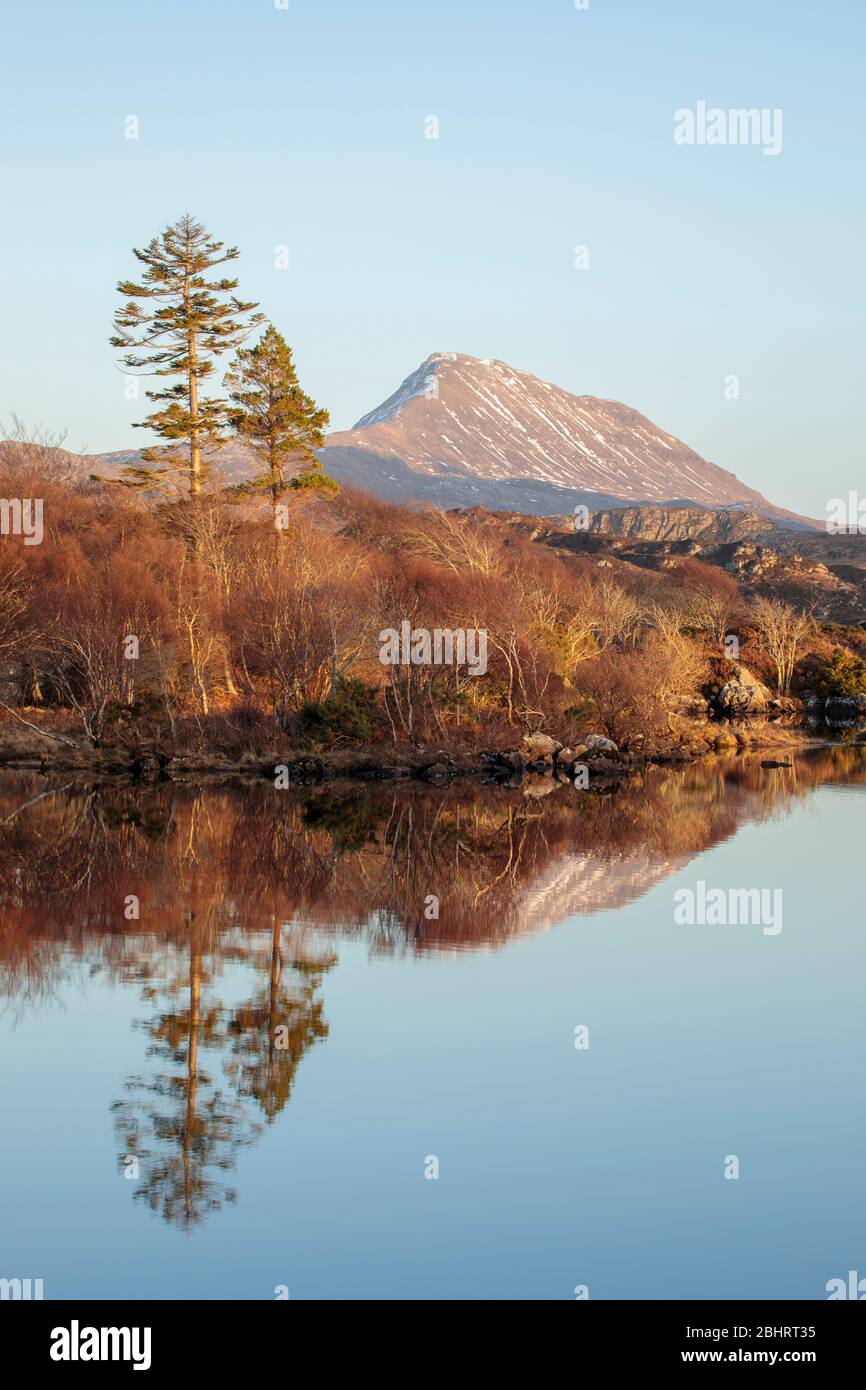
177, 1125
166, 888
244, 857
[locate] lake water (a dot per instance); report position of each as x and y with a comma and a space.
253, 1083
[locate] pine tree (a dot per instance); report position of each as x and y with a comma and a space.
277, 419
185, 324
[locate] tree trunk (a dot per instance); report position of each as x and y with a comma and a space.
276, 972
190, 1124
231, 688
277, 489
195, 444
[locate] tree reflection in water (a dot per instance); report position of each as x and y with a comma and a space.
246, 877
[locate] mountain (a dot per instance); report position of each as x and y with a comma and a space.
461, 432
464, 432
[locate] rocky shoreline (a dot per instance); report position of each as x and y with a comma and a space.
740, 716
595, 763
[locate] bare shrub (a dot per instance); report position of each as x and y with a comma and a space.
782, 631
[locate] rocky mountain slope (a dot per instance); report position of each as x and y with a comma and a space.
823, 573
465, 432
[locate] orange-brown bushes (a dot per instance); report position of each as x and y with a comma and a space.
238, 629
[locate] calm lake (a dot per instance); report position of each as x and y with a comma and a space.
242, 1053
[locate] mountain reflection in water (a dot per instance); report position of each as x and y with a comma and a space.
164, 888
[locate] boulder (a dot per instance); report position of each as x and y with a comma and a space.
598, 744
743, 694
512, 762
437, 772
537, 746
147, 767
605, 765
539, 765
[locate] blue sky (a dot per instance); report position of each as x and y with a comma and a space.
305, 127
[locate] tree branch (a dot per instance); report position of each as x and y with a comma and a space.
58, 738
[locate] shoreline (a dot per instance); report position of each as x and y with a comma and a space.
606, 766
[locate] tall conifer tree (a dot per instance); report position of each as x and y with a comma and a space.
277, 419
175, 323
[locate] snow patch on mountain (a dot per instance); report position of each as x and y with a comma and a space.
462, 417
